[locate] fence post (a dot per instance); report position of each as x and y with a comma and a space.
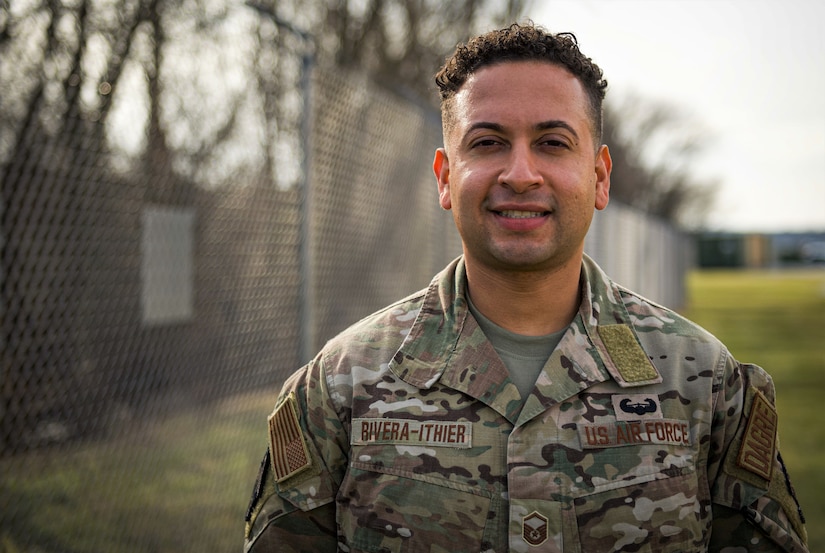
308, 330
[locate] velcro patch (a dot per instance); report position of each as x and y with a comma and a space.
758, 448
287, 446
627, 355
624, 433
457, 435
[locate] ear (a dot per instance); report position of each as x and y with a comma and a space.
603, 167
441, 168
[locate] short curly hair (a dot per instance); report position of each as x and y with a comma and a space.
521, 42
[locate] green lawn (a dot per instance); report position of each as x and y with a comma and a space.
776, 319
181, 483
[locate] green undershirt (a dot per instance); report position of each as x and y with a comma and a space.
524, 356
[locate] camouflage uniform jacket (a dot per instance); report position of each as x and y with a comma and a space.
642, 433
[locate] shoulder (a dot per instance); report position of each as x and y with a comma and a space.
648, 316
612, 303
678, 347
389, 322
376, 337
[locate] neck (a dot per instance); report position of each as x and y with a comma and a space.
526, 303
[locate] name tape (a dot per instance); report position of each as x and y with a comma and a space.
412, 432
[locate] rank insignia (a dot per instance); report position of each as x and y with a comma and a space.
534, 529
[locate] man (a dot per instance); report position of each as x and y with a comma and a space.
524, 402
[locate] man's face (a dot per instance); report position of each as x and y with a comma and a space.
519, 169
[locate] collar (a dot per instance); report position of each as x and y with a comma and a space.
445, 344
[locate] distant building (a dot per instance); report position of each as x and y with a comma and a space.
756, 250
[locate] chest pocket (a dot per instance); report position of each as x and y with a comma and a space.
641, 498
402, 498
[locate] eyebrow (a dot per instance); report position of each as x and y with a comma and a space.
555, 124
542, 126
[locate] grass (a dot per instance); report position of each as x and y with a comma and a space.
776, 319
182, 483
179, 484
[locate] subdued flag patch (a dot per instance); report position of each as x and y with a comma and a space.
286, 441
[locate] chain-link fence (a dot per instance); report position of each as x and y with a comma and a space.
165, 263
163, 266
646, 254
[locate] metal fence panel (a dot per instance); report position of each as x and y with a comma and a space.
377, 230
642, 253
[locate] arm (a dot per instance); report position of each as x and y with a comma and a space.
754, 505
293, 503
275, 525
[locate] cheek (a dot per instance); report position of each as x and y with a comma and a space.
463, 187
572, 185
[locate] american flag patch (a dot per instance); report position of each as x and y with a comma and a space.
286, 442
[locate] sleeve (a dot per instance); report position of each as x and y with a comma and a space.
293, 503
754, 504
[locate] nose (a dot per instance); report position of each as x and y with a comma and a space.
521, 172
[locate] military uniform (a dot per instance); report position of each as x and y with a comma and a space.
405, 434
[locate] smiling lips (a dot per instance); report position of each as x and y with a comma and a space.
521, 221
515, 214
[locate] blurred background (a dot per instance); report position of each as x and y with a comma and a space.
197, 194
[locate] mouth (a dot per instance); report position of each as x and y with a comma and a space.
516, 214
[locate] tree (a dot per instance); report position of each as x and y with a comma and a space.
111, 105
405, 41
654, 147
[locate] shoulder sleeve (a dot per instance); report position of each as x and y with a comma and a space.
754, 504
293, 503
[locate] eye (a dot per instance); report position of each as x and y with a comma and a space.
554, 142
486, 142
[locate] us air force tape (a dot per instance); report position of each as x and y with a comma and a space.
287, 446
